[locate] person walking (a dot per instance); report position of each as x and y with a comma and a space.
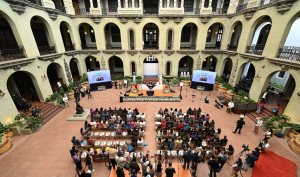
187, 156
258, 124
116, 84
121, 97
120, 160
214, 165
260, 105
66, 101
239, 125
24, 104
89, 162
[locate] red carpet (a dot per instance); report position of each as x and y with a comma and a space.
270, 164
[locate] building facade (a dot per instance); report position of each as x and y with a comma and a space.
118, 35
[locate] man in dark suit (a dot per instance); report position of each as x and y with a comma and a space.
24, 104
239, 125
32, 93
214, 165
116, 84
33, 112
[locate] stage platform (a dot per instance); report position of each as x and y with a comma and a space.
182, 172
156, 92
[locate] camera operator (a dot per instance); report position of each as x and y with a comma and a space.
249, 159
145, 163
120, 160
236, 167
263, 145
112, 155
222, 157
214, 165
257, 154
187, 156
74, 151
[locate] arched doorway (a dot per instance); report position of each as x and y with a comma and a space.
168, 68
247, 76
214, 36
87, 37
112, 36
189, 36
74, 69
185, 66
151, 67
66, 37
235, 36
22, 82
209, 64
92, 64
133, 68
151, 36
227, 69
54, 73
116, 66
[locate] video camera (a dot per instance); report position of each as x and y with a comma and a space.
246, 148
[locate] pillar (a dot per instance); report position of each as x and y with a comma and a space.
160, 3
119, 4
168, 3
99, 4
91, 3
182, 2
140, 4
126, 4
210, 1
175, 3
132, 4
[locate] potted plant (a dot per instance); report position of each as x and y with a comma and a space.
281, 118
218, 81
84, 80
31, 125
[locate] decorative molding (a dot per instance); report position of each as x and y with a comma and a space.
128, 38
17, 5
234, 70
164, 20
137, 20
167, 66
96, 20
50, 57
72, 53
89, 52
205, 19
251, 57
167, 36
230, 53
177, 20
52, 13
169, 52
16, 64
187, 52
208, 51
113, 52
284, 5
103, 63
132, 52
285, 64
150, 52
123, 20
67, 69
248, 13
198, 64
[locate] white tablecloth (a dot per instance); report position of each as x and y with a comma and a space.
145, 87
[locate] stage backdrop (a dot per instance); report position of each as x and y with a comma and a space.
203, 78
150, 69
99, 78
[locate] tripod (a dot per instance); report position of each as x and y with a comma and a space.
240, 154
201, 95
90, 96
186, 91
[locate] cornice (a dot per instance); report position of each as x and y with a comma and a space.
16, 64
285, 64
50, 57
208, 51
150, 52
187, 52
230, 53
113, 52
72, 53
132, 52
89, 52
169, 52
251, 57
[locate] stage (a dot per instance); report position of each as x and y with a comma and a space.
145, 89
182, 172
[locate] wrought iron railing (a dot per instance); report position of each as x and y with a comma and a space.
289, 53
38, 2
219, 11
45, 50
81, 12
187, 46
11, 54
150, 10
69, 47
241, 7
191, 11
60, 8
232, 47
89, 46
113, 47
151, 46
256, 49
213, 46
265, 2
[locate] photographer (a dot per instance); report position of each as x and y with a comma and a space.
145, 163
257, 154
250, 158
263, 145
74, 151
236, 167
134, 167
213, 165
120, 160
187, 156
112, 155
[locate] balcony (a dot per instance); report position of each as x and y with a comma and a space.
255, 49
289, 53
151, 47
45, 50
192, 11
187, 46
89, 46
213, 46
219, 11
241, 8
113, 47
265, 2
232, 47
11, 54
37, 2
81, 12
150, 10
69, 47
60, 8
110, 11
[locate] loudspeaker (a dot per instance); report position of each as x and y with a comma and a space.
65, 88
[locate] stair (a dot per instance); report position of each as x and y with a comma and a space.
154, 80
48, 111
263, 112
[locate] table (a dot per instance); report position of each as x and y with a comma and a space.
145, 87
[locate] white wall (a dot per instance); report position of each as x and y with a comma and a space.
293, 38
279, 80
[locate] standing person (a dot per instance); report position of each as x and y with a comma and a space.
120, 84
145, 163
18, 96
268, 134
125, 83
206, 100
250, 158
89, 162
116, 84
265, 96
112, 155
170, 171
66, 101
276, 109
239, 125
257, 154
187, 158
88, 92
236, 167
77, 161
158, 170
258, 124
260, 105
120, 160
24, 104
134, 167
230, 106
58, 84
151, 171
32, 93
121, 97
214, 165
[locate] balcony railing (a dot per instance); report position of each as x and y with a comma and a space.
60, 8
289, 53
37, 2
213, 46
11, 54
151, 46
81, 12
219, 11
241, 7
232, 47
113, 46
264, 2
89, 46
188, 46
256, 49
150, 10
192, 11
69, 47
45, 50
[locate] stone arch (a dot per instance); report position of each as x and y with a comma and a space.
84, 23
214, 40
166, 67
55, 67
186, 64
129, 39
119, 68
209, 63
74, 65
232, 35
243, 71
172, 39
130, 64
71, 31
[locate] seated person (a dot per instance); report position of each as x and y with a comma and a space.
163, 124
89, 151
137, 124
76, 141
230, 149
206, 100
180, 126
143, 124
133, 141
90, 141
140, 141
160, 111
178, 142
159, 141
84, 132
142, 131
100, 124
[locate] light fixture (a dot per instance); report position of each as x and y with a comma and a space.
211, 59
97, 59
91, 59
68, 31
85, 32
209, 31
2, 93
258, 76
75, 60
233, 31
150, 32
44, 77
204, 60
216, 32
92, 31
184, 65
298, 93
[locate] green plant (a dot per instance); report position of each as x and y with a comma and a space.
33, 122
277, 85
269, 124
61, 91
16, 123
54, 96
175, 81
18, 117
1, 135
84, 78
242, 93
48, 99
295, 127
227, 85
3, 128
282, 124
265, 118
281, 117
219, 80
242, 100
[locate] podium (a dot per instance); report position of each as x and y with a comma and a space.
150, 93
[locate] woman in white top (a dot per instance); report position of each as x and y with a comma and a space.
257, 124
268, 134
242, 115
142, 124
157, 123
142, 132
140, 141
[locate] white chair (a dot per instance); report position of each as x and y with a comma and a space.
140, 155
97, 143
97, 135
116, 142
181, 74
109, 143
188, 74
107, 134
83, 155
174, 153
131, 154
122, 143
181, 152
126, 155
113, 135
184, 74
124, 134
102, 134
140, 144
143, 117
103, 144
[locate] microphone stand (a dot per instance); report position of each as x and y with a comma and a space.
186, 91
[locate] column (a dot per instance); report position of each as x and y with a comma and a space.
92, 4
202, 4
182, 1
140, 4
168, 3
126, 4
160, 3
119, 4
99, 4
175, 3
132, 4
210, 1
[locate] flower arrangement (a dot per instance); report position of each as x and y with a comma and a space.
166, 90
101, 88
135, 90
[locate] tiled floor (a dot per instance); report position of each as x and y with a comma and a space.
46, 152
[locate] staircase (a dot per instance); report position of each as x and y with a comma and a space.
48, 111
154, 80
263, 112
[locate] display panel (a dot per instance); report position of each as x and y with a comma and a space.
204, 76
99, 76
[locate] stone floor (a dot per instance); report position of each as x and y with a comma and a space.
46, 152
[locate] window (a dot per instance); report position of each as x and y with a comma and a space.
7, 38
281, 74
115, 34
188, 5
113, 5
150, 36
92, 32
39, 34
206, 3
186, 34
118, 63
183, 63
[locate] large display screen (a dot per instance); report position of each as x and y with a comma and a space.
204, 76
99, 76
